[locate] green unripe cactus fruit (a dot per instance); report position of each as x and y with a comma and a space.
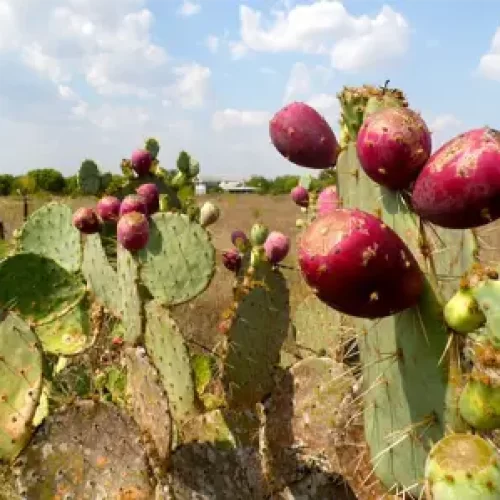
258, 234
153, 147
480, 405
463, 467
462, 312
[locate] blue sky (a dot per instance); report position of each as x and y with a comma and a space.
93, 78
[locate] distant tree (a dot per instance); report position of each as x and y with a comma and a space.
71, 186
48, 179
262, 184
327, 177
6, 182
24, 184
284, 184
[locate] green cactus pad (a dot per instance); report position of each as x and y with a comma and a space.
203, 470
463, 467
169, 354
148, 401
487, 295
317, 485
152, 146
480, 405
89, 450
255, 338
319, 328
306, 416
69, 334
49, 231
21, 384
100, 276
38, 288
411, 374
131, 304
89, 178
179, 262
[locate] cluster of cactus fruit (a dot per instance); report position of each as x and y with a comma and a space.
392, 360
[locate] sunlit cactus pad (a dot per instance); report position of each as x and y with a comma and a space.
100, 276
37, 287
90, 450
166, 348
148, 401
255, 338
20, 384
179, 261
69, 334
49, 232
306, 416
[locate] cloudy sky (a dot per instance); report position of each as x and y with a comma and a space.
93, 78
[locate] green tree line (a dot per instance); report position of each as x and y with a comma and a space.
51, 181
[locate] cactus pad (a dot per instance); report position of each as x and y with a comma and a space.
487, 295
37, 287
166, 348
100, 275
179, 261
131, 305
255, 338
49, 231
206, 472
21, 384
89, 450
318, 328
69, 334
148, 400
89, 178
306, 416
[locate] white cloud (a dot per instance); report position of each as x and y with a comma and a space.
351, 42
192, 85
443, 127
212, 43
489, 64
230, 118
299, 82
188, 9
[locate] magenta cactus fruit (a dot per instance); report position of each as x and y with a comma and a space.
240, 240
328, 200
133, 231
358, 265
86, 221
141, 161
300, 196
303, 136
133, 203
151, 195
231, 259
459, 187
108, 208
276, 246
393, 145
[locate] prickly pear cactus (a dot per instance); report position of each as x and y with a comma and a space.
21, 384
49, 232
89, 450
410, 362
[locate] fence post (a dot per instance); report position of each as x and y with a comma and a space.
2, 231
25, 207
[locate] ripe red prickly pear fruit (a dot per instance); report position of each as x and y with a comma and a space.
276, 246
141, 161
151, 196
303, 136
133, 231
300, 196
459, 187
108, 208
86, 221
393, 145
133, 203
231, 260
328, 200
240, 240
358, 265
